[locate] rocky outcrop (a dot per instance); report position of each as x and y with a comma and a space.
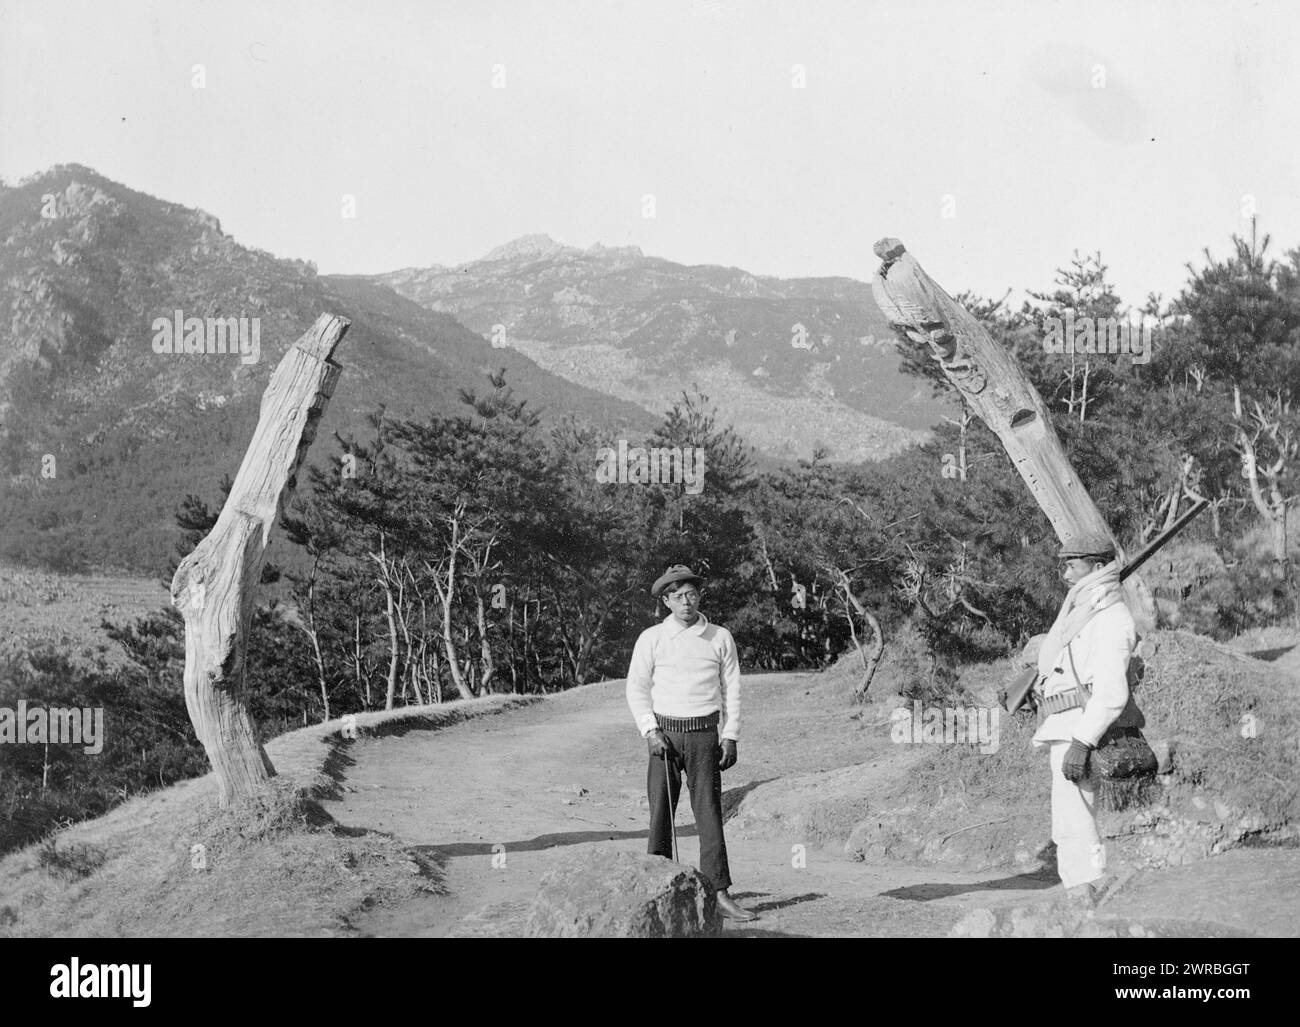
532, 247
604, 894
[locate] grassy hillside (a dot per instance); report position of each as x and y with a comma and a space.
38, 607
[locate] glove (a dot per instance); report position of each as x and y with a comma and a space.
728, 758
657, 742
1075, 765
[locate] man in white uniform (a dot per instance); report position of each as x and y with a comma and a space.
683, 680
1083, 662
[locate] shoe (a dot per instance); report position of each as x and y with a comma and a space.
732, 909
1081, 897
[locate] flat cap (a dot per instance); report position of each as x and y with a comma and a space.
1089, 543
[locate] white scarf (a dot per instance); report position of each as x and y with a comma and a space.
1076, 612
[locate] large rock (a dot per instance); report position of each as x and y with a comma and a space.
607, 894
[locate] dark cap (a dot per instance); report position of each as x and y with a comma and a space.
1088, 543
675, 575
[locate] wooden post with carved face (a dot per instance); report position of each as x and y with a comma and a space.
994, 386
215, 586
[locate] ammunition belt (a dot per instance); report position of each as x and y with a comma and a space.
1060, 702
687, 725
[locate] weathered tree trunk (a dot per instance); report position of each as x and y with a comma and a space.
215, 586
995, 387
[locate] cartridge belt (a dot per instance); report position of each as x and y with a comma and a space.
687, 725
1070, 699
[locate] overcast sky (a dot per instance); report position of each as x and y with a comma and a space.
1139, 129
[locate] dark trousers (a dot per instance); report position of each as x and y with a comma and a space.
699, 751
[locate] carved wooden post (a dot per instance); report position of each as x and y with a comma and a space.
214, 587
996, 388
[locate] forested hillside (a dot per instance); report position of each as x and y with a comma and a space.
100, 434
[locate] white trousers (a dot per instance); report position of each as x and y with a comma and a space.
1080, 854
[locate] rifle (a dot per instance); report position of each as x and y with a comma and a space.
1155, 544
1017, 691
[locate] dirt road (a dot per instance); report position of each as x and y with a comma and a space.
497, 800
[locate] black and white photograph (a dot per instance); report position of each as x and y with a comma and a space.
497, 469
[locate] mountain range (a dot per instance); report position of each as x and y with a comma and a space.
793, 364
101, 435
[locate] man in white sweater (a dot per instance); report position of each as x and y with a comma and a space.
684, 679
1084, 690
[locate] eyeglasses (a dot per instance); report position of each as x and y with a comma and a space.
684, 597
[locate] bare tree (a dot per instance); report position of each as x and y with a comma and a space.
313, 633
389, 581
1271, 427
443, 575
967, 415
852, 604
479, 558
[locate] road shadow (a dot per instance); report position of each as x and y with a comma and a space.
441, 852
733, 797
542, 841
1037, 880
556, 839
768, 907
760, 932
1269, 655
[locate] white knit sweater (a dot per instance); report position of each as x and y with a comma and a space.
680, 671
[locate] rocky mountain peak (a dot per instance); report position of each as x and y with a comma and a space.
530, 247
614, 252
539, 246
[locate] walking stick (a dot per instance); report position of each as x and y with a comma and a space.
672, 814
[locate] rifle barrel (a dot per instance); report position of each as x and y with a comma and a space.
1159, 541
